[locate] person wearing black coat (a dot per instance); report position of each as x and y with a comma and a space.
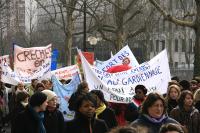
53, 118
85, 121
31, 120
20, 106
103, 112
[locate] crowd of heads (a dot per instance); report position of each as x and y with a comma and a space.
183, 94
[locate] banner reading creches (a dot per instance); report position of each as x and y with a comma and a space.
34, 62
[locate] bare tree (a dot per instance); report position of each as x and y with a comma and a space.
3, 24
64, 9
119, 20
194, 24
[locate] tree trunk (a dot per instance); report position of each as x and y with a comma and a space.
119, 41
119, 17
197, 53
68, 36
197, 41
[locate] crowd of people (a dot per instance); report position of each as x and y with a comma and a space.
35, 109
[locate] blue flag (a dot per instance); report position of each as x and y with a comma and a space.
54, 58
64, 92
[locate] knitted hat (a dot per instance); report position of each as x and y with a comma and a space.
50, 94
37, 99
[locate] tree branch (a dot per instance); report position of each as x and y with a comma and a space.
49, 14
135, 33
130, 5
170, 18
132, 16
113, 3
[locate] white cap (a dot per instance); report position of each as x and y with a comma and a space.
50, 94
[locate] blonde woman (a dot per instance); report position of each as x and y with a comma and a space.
172, 97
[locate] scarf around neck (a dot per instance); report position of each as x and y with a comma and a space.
39, 116
154, 120
100, 109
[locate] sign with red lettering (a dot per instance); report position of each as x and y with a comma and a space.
29, 61
66, 72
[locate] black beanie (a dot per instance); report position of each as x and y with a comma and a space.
37, 99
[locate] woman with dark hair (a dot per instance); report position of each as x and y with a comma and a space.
39, 87
81, 90
132, 111
85, 121
153, 114
102, 111
21, 102
171, 128
186, 114
31, 120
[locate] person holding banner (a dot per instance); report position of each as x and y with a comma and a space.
120, 108
85, 121
153, 114
132, 111
81, 90
20, 88
31, 89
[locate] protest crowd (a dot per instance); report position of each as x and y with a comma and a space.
40, 107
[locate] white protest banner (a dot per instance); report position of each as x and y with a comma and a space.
8, 76
66, 72
119, 87
64, 92
117, 59
34, 62
5, 59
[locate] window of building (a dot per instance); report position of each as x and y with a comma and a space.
183, 64
183, 45
176, 45
170, 26
170, 3
190, 46
163, 44
177, 4
176, 64
164, 24
151, 46
157, 45
176, 26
